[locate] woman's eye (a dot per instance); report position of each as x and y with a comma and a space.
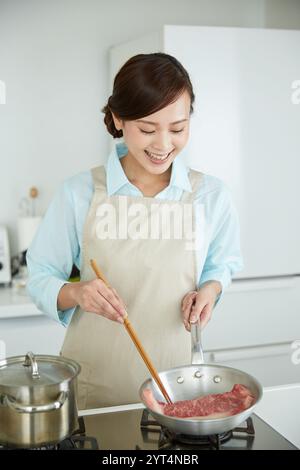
152, 132
146, 132
177, 132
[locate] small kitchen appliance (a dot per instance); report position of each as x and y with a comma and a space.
5, 269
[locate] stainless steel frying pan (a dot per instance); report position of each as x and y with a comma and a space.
191, 381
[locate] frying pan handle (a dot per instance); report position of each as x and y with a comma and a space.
197, 351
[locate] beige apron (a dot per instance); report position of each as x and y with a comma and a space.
152, 276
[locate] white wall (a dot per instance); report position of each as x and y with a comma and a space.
53, 59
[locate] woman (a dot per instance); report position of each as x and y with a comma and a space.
166, 238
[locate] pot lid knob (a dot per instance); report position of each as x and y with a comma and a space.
30, 361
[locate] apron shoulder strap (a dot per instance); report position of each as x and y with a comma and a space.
99, 177
196, 179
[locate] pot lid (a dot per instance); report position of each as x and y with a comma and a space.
37, 370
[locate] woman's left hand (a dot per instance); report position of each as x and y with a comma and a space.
199, 304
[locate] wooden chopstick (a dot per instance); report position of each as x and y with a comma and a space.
135, 339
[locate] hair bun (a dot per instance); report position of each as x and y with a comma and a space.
109, 122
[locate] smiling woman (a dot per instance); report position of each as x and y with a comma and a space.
166, 237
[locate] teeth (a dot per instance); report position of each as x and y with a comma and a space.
155, 156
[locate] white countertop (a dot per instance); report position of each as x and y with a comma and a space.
16, 303
279, 407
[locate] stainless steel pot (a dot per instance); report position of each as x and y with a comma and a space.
37, 399
191, 381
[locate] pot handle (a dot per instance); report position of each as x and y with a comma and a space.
196, 346
20, 408
30, 360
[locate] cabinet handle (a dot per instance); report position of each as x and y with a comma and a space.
249, 353
239, 285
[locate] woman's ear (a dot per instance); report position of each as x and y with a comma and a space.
118, 122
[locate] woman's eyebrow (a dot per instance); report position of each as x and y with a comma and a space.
157, 123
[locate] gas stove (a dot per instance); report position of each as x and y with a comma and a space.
135, 429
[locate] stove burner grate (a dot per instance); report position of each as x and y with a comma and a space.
78, 440
169, 438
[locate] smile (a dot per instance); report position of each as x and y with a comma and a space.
158, 158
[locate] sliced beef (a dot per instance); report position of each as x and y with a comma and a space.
209, 406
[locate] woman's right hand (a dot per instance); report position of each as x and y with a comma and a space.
94, 296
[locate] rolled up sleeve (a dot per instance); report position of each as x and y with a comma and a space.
224, 258
51, 256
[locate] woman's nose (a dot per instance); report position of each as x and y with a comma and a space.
163, 142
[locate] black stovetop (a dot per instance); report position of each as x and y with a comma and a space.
122, 430
137, 430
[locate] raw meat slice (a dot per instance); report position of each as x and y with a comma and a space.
217, 405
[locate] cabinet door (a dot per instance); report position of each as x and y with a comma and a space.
270, 365
255, 312
39, 334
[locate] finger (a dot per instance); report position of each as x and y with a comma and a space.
109, 296
98, 310
197, 309
188, 305
187, 298
186, 314
184, 301
193, 316
117, 319
111, 318
106, 308
188, 302
205, 316
119, 298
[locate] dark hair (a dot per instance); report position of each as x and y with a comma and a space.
145, 84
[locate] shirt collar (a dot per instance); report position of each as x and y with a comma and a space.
116, 177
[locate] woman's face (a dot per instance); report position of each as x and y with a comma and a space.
155, 140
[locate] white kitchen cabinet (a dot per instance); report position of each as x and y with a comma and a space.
271, 365
38, 334
254, 327
253, 313
24, 328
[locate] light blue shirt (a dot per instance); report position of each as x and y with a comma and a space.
57, 243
